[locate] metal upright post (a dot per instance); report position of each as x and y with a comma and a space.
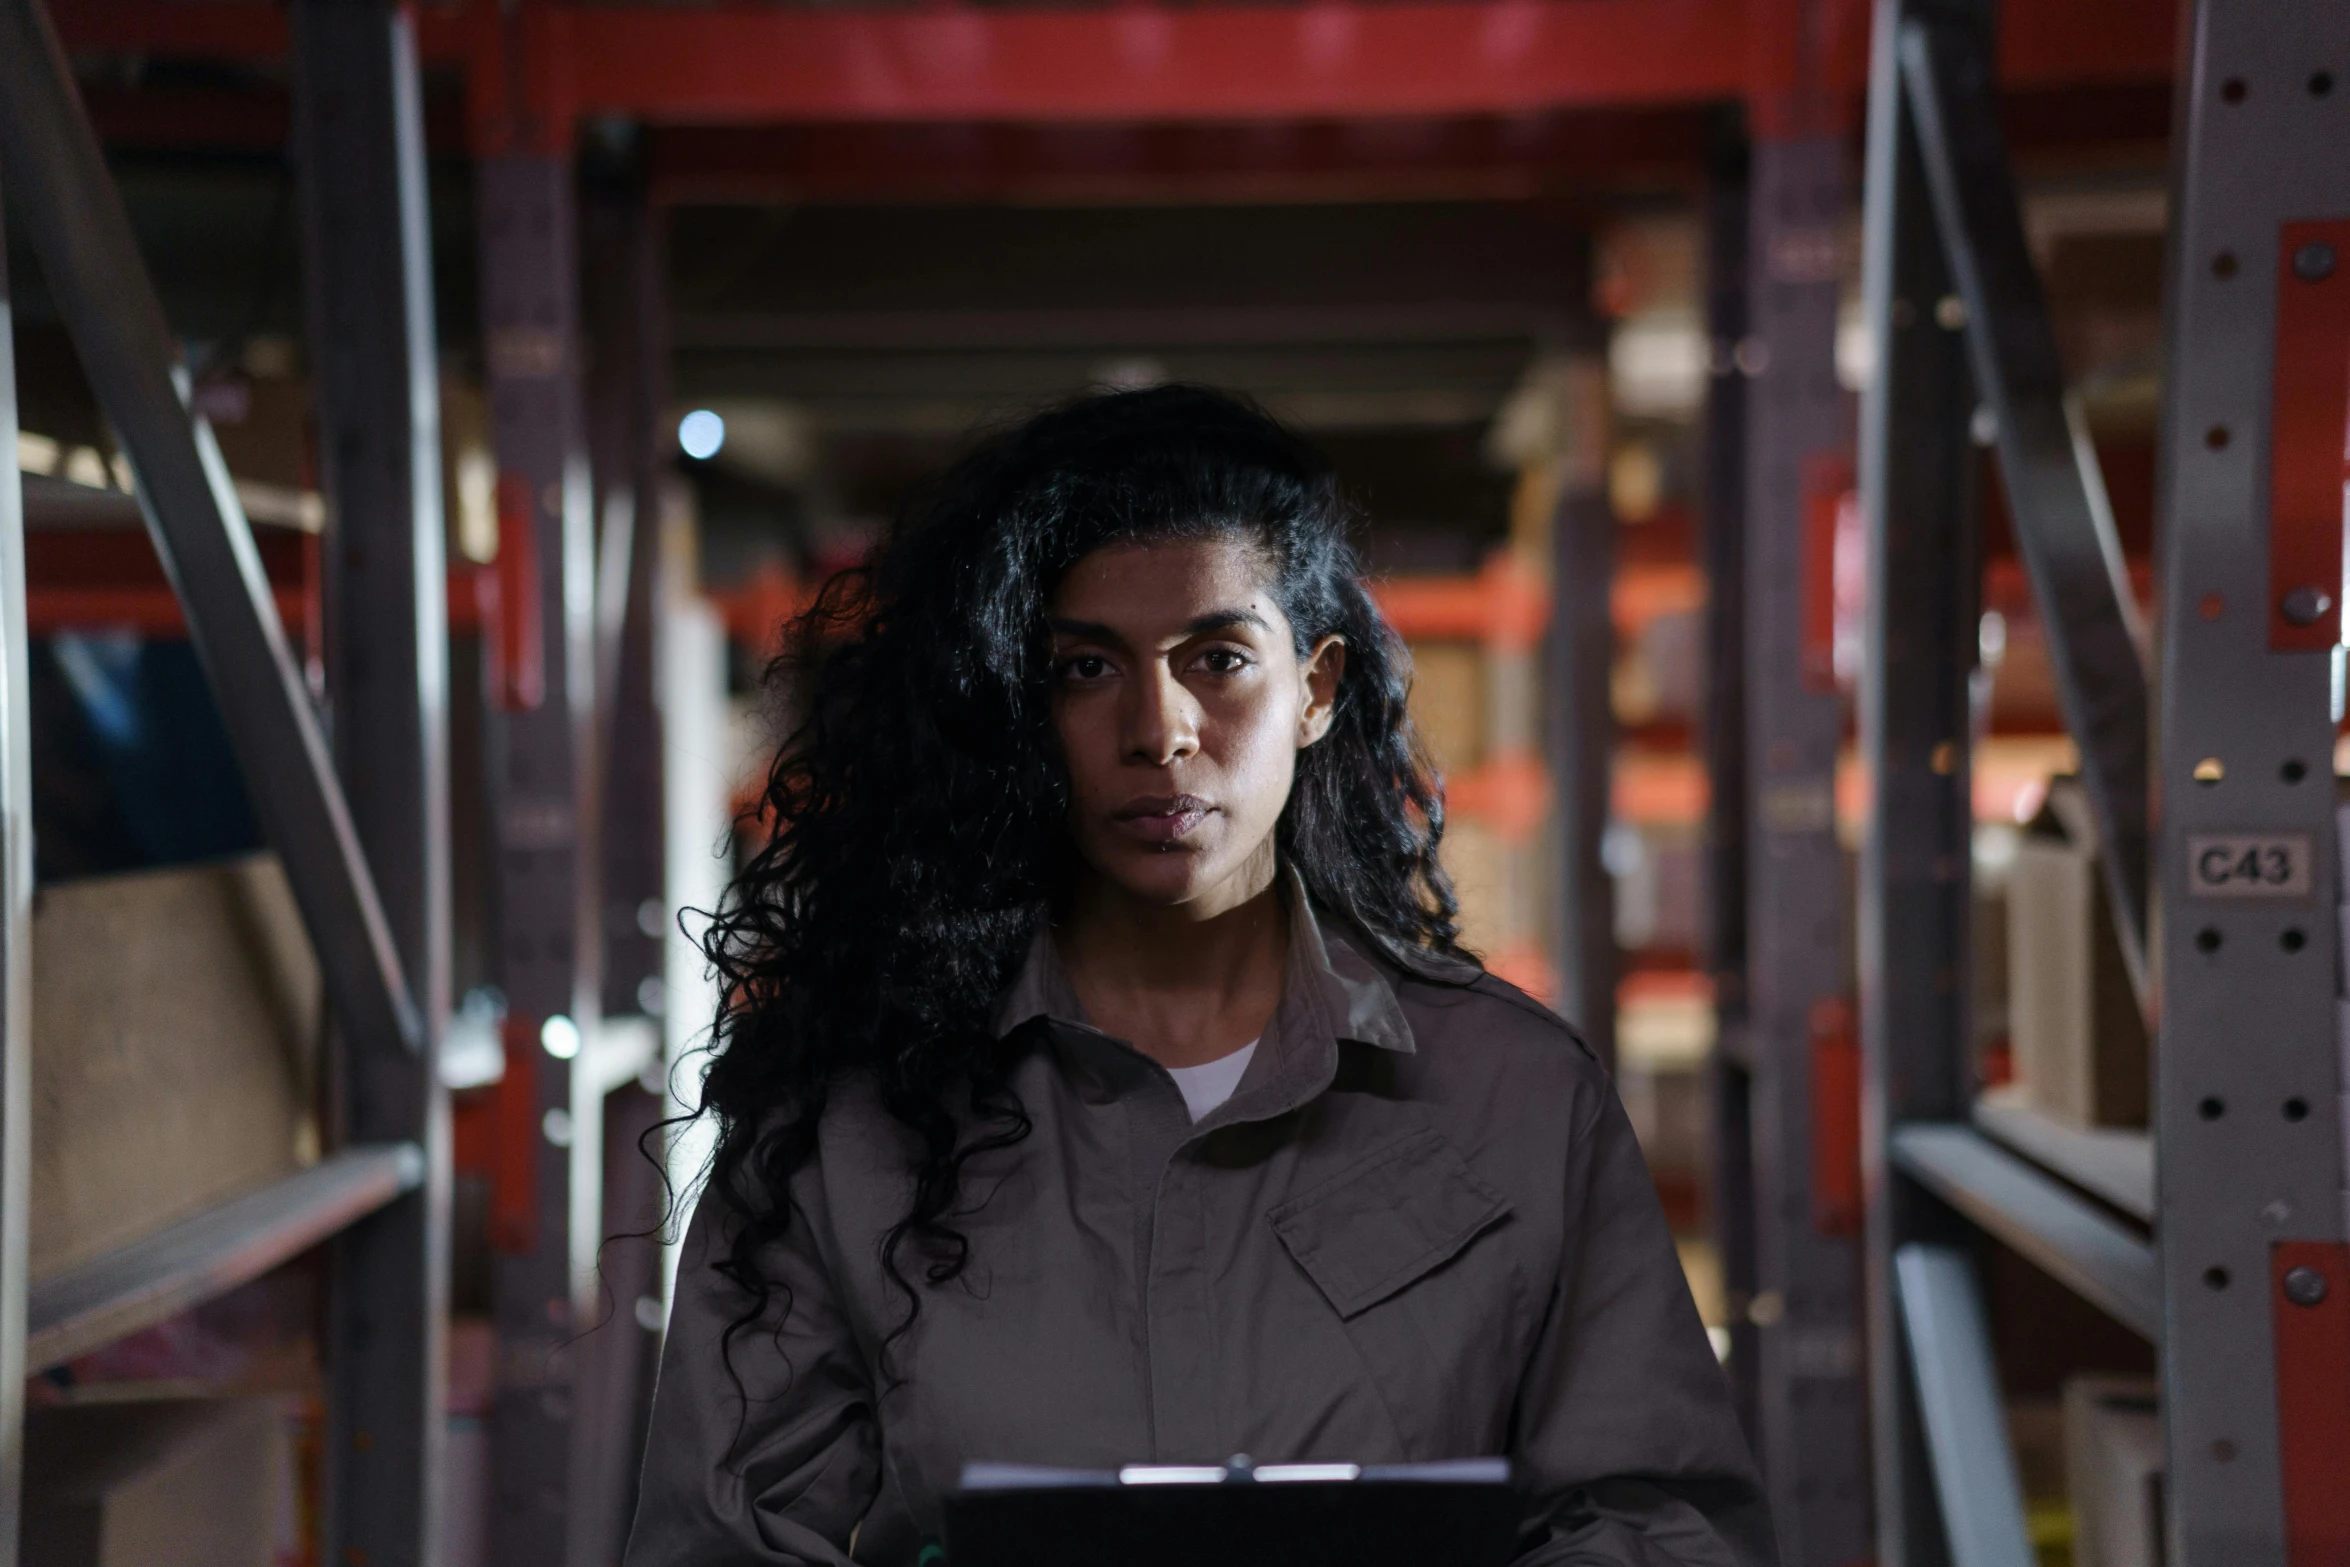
1724, 524
2250, 1075
626, 396
633, 445
541, 746
359, 140
1801, 1036
1916, 468
16, 958
1583, 722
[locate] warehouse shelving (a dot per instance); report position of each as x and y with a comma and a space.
2115, 1165
380, 1196
141, 1284
373, 606
2065, 1236
533, 73
2249, 1192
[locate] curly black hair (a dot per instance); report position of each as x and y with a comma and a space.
917, 809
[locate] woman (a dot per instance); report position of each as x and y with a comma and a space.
1099, 1079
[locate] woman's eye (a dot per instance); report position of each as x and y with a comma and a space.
1085, 666
1223, 661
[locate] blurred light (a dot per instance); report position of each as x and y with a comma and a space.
1657, 364
1856, 350
701, 433
476, 480
556, 1123
1130, 375
561, 1037
472, 1053
1622, 851
1991, 639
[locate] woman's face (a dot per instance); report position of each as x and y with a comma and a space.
1181, 706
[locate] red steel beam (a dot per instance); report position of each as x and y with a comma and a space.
1140, 62
1127, 63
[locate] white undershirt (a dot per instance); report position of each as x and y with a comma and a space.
1211, 1083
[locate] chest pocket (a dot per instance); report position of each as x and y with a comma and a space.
1365, 1234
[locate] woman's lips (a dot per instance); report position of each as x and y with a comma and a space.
1162, 820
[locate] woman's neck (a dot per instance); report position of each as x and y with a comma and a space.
1185, 984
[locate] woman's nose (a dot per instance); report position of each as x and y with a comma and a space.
1161, 719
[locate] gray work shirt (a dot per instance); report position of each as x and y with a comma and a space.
1419, 1229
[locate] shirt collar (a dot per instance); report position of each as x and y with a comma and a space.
1327, 975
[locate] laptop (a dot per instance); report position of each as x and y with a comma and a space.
1239, 1514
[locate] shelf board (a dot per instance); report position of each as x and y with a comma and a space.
52, 503
139, 1285
2061, 1233
2113, 1166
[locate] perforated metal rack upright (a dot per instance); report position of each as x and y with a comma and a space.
2245, 1289
1779, 442
359, 148
1800, 1040
540, 747
2249, 1126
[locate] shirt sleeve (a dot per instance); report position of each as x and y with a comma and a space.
1625, 1434
775, 1471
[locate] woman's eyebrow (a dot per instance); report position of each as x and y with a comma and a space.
1223, 619
1201, 625
1084, 630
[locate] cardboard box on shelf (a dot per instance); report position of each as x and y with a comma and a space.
194, 1482
2113, 1470
1990, 981
1478, 863
1669, 1108
2078, 1041
1448, 702
175, 1030
1660, 884
1659, 669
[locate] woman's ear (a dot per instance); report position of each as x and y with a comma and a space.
1322, 668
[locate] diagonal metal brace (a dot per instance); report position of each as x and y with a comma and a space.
1957, 1380
58, 181
2054, 491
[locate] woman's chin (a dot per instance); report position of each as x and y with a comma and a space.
1166, 877
1167, 880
